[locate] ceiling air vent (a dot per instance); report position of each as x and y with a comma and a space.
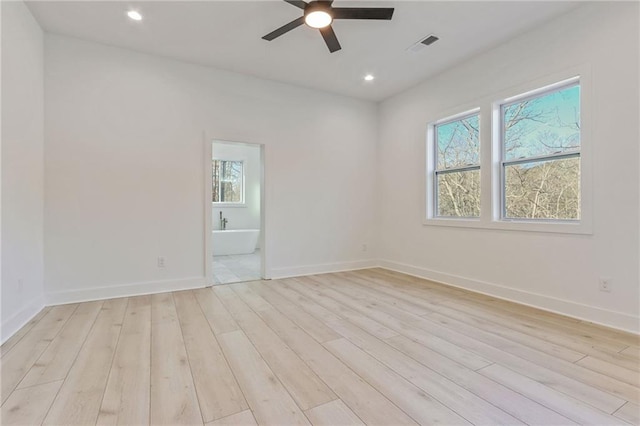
429, 40
422, 43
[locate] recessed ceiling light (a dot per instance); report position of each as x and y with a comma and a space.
135, 15
368, 77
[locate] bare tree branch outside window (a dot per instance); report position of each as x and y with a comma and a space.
458, 167
541, 156
227, 181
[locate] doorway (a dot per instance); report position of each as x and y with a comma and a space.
237, 211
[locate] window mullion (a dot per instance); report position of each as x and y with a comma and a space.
485, 163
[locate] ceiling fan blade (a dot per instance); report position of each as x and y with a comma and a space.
385, 13
330, 38
284, 29
297, 3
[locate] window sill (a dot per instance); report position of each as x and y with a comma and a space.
225, 205
581, 228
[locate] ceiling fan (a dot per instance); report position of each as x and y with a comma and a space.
320, 14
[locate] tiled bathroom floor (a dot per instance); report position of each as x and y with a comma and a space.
236, 268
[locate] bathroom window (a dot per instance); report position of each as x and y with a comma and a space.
228, 182
540, 155
456, 166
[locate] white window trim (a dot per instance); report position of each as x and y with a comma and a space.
224, 204
490, 160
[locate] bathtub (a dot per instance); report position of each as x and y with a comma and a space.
235, 241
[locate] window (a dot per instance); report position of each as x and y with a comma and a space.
540, 155
532, 171
457, 167
228, 182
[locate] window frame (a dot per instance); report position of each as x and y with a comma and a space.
488, 107
241, 203
458, 169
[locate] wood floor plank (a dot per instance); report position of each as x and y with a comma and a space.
303, 319
631, 351
303, 384
423, 408
286, 289
491, 323
267, 397
530, 328
218, 392
572, 408
449, 329
507, 334
11, 341
253, 300
621, 359
629, 412
344, 311
609, 369
495, 326
369, 292
442, 345
245, 418
28, 406
79, 399
455, 397
127, 393
524, 409
17, 362
573, 327
173, 394
586, 376
361, 347
333, 413
574, 342
56, 361
363, 399
219, 319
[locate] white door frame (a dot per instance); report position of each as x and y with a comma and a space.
208, 207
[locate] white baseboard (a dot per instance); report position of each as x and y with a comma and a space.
618, 320
20, 318
613, 319
126, 290
298, 271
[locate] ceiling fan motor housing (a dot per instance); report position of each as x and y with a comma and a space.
317, 6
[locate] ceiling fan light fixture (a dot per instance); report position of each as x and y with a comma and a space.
318, 19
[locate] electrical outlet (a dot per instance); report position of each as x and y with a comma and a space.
364, 247
160, 262
605, 285
20, 285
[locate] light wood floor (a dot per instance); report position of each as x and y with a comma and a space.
371, 347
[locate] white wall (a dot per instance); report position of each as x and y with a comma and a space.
124, 169
125, 174
22, 167
246, 216
555, 271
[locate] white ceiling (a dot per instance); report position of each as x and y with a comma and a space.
227, 35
